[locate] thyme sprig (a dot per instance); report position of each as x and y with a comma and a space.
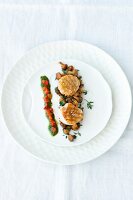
89, 104
77, 133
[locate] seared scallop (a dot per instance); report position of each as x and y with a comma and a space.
71, 114
68, 85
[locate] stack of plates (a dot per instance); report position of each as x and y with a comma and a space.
105, 82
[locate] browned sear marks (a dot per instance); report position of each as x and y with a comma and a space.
68, 85
71, 113
70, 89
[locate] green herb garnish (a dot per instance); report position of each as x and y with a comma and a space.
79, 124
85, 92
68, 127
49, 104
42, 85
62, 103
52, 133
77, 133
89, 104
57, 91
79, 105
80, 77
44, 78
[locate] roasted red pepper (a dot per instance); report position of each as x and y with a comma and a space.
48, 105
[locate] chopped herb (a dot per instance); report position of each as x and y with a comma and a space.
62, 103
49, 103
50, 130
68, 127
74, 136
61, 63
57, 90
44, 78
79, 77
79, 105
85, 92
79, 124
89, 104
63, 97
42, 85
65, 136
77, 133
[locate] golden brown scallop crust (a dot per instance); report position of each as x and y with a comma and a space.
68, 85
71, 113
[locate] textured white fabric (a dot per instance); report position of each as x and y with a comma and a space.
23, 26
81, 2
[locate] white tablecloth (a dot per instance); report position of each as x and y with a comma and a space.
25, 25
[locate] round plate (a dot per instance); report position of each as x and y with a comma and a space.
41, 56
94, 120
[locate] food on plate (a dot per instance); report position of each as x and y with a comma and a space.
70, 90
45, 85
68, 85
71, 113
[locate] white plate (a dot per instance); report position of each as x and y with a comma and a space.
41, 56
94, 120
